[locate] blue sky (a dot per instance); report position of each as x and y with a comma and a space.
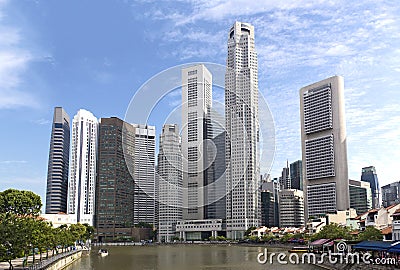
96, 54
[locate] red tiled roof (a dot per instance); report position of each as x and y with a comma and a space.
387, 230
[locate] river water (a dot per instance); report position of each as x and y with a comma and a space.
180, 257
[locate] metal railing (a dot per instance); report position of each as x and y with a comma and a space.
47, 262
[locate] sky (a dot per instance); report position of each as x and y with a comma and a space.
96, 54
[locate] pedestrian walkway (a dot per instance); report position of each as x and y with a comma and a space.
18, 263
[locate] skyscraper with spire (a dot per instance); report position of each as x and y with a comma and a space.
242, 125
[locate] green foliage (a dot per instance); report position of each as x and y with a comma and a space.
332, 231
20, 202
370, 233
248, 231
22, 231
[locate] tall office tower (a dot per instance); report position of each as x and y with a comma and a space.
169, 176
242, 125
196, 133
114, 184
391, 194
369, 175
360, 196
284, 179
291, 208
270, 203
216, 178
82, 174
296, 175
324, 151
57, 172
144, 174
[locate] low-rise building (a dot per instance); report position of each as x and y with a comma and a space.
59, 219
199, 229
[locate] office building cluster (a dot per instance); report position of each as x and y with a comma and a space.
206, 180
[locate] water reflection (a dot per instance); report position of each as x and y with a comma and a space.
179, 257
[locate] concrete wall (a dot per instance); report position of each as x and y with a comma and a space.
64, 262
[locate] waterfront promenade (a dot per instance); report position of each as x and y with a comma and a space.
43, 264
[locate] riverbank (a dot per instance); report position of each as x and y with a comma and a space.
56, 262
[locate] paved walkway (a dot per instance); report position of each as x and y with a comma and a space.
17, 263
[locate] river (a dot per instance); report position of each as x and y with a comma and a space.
180, 257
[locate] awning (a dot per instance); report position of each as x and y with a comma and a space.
395, 248
319, 242
373, 245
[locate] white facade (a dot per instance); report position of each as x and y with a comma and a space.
82, 174
169, 182
196, 131
59, 219
242, 125
324, 151
144, 174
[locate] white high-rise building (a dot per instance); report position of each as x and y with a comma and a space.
324, 151
82, 174
144, 174
169, 182
196, 135
291, 208
242, 126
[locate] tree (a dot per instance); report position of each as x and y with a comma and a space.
370, 233
20, 202
248, 231
332, 231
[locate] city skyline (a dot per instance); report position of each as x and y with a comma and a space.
39, 73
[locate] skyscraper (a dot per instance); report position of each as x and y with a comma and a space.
360, 196
391, 194
324, 151
114, 184
270, 202
170, 182
144, 174
82, 176
196, 133
369, 175
216, 178
57, 172
242, 126
284, 179
296, 175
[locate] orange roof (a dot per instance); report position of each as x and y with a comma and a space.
387, 230
391, 206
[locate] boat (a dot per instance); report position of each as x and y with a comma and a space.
103, 252
299, 250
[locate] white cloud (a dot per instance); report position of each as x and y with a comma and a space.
14, 61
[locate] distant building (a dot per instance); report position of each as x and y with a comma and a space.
60, 219
291, 208
324, 150
296, 175
369, 175
114, 185
169, 174
270, 203
144, 204
58, 166
284, 179
391, 194
360, 196
82, 174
